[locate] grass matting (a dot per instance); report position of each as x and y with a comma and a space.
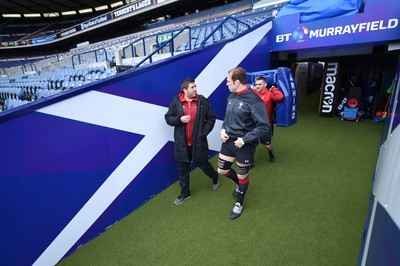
307, 208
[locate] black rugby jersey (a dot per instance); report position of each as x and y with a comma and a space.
246, 116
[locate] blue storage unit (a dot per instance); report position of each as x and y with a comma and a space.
282, 78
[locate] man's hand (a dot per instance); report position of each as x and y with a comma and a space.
224, 136
185, 119
239, 143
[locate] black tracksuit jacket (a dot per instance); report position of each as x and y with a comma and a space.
246, 117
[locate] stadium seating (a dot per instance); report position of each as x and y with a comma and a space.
84, 65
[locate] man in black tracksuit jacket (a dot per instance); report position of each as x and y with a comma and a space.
193, 118
245, 121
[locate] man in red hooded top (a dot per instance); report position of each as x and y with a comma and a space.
193, 118
270, 97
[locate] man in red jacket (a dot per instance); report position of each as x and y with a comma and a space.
270, 97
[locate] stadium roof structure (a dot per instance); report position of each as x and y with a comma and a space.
71, 8
132, 22
56, 8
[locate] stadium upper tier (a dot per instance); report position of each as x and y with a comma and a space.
41, 78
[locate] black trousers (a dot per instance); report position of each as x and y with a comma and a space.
184, 170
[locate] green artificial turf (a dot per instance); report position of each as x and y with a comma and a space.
307, 208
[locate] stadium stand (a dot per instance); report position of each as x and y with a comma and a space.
80, 66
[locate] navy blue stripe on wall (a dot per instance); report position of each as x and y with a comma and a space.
385, 240
53, 178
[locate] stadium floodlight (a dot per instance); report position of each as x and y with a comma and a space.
11, 15
32, 15
99, 8
48, 15
86, 10
66, 13
119, 3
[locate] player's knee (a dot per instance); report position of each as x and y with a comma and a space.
242, 170
222, 172
223, 166
242, 177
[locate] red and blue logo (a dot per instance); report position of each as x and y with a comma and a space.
299, 34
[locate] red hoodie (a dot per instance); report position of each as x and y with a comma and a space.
270, 97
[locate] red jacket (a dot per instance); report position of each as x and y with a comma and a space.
270, 97
189, 108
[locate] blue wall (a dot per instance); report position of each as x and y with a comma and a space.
381, 238
74, 164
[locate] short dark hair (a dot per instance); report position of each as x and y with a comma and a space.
261, 78
185, 83
238, 73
